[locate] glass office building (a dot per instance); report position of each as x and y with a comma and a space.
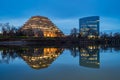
89, 26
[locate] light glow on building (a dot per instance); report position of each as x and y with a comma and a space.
89, 26
41, 57
41, 24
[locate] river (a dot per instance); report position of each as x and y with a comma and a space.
60, 63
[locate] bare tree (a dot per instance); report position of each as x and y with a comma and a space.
116, 35
7, 29
74, 32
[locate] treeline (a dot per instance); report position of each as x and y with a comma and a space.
8, 30
110, 38
102, 38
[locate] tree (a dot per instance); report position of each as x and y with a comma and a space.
13, 31
74, 32
8, 30
104, 36
116, 35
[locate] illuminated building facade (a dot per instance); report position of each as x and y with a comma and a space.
89, 26
40, 26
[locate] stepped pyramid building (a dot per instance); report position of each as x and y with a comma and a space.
40, 26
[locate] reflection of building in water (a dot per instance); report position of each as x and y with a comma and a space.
89, 57
74, 51
41, 57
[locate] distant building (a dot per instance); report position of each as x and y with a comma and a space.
40, 26
89, 26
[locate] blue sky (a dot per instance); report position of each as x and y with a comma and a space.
64, 13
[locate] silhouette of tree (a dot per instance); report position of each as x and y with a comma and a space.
74, 32
8, 30
117, 35
104, 36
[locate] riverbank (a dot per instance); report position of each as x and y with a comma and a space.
13, 42
58, 41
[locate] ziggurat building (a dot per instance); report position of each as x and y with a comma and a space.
41, 27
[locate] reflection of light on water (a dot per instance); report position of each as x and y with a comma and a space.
92, 47
84, 54
43, 59
89, 57
98, 63
92, 59
82, 50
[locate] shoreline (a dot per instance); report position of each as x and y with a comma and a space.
59, 41
13, 42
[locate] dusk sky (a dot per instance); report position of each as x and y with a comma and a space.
64, 13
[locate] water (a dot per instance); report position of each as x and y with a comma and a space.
58, 63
